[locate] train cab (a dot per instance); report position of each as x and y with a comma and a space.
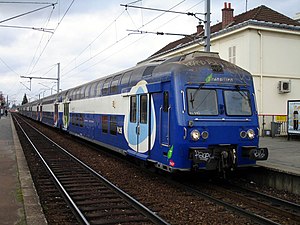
217, 123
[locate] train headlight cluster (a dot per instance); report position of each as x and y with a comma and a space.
249, 134
195, 135
204, 134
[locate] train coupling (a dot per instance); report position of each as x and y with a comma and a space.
215, 158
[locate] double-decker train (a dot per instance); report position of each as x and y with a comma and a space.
186, 113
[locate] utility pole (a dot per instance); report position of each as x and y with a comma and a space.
207, 26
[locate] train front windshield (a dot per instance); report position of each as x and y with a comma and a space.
237, 103
204, 102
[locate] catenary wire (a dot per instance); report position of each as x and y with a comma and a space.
24, 14
40, 43
92, 42
130, 44
39, 57
123, 38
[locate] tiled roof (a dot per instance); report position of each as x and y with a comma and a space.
261, 13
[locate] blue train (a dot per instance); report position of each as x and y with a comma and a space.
186, 113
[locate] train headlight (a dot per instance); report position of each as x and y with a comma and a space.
204, 134
195, 135
251, 134
243, 134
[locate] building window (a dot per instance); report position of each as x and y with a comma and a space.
232, 54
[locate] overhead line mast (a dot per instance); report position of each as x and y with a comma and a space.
206, 21
47, 78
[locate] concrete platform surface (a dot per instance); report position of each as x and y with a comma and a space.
19, 202
284, 155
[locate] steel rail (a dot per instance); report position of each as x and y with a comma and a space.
257, 218
284, 207
275, 200
132, 201
79, 214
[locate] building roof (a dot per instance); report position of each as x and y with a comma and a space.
261, 13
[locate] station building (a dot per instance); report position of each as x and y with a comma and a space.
262, 41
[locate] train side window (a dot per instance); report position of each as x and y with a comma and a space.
99, 89
87, 91
115, 84
74, 94
148, 71
66, 96
125, 79
81, 94
76, 119
106, 86
93, 90
70, 95
136, 76
166, 101
113, 125
104, 124
77, 94
143, 109
133, 109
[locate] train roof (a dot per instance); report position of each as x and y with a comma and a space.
194, 61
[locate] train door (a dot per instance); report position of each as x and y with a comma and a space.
55, 114
37, 112
165, 121
139, 123
41, 112
66, 115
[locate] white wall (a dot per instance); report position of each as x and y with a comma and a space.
270, 56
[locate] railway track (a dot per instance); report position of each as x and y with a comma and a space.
289, 210
92, 198
255, 207
258, 207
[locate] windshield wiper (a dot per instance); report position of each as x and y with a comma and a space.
203, 100
242, 93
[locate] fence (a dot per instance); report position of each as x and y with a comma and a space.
273, 125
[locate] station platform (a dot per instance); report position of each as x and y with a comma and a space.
284, 155
19, 202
